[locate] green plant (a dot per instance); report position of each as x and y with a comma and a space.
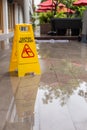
60, 15
45, 17
79, 11
33, 18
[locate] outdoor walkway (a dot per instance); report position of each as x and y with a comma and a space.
54, 100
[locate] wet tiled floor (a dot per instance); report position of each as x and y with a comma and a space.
54, 100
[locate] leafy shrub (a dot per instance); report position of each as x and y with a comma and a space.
45, 17
79, 11
60, 15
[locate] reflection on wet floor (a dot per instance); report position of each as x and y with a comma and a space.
61, 109
56, 100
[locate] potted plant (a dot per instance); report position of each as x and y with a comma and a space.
44, 19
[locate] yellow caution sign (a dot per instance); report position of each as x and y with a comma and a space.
24, 56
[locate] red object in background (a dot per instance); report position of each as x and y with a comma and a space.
40, 11
45, 8
80, 3
46, 3
63, 9
50, 3
61, 5
66, 10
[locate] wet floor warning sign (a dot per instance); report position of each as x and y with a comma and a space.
27, 52
24, 56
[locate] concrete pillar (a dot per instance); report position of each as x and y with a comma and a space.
5, 23
20, 20
16, 13
5, 16
26, 11
31, 6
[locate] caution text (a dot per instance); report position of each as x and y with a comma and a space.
25, 39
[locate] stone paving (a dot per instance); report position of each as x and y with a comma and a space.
54, 100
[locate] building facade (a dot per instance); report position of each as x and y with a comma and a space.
13, 12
